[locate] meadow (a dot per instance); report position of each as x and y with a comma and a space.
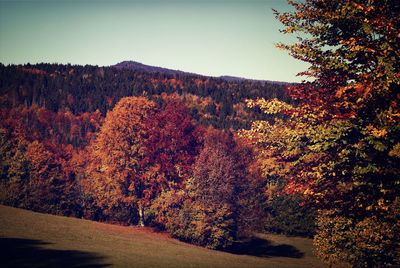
30, 239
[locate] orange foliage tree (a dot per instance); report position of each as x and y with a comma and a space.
116, 174
36, 149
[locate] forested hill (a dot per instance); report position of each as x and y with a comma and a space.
78, 89
137, 66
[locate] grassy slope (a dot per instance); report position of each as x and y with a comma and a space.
29, 238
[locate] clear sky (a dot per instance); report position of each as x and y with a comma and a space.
207, 37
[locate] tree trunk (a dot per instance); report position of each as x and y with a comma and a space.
141, 215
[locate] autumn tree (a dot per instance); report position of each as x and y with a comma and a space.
216, 206
171, 144
340, 142
215, 178
116, 175
14, 166
35, 171
50, 188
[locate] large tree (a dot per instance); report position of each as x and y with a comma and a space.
115, 175
219, 202
340, 143
224, 186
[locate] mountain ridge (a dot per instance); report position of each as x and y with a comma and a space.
138, 66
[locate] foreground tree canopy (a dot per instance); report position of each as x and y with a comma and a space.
339, 146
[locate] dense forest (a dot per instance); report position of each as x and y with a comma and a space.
213, 160
80, 89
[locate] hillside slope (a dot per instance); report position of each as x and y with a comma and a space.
29, 239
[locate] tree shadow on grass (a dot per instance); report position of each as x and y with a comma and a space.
264, 248
16, 252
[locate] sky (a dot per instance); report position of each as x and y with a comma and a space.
207, 37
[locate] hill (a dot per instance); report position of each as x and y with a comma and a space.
29, 239
137, 66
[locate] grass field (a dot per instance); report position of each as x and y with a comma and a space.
29, 239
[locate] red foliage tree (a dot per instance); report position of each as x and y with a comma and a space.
171, 144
